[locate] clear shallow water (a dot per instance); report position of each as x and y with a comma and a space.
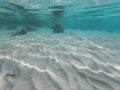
86, 56
76, 14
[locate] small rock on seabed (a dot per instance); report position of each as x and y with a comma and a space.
58, 28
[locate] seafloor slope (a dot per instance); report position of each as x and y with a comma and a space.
81, 60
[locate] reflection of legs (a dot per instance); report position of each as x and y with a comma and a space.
58, 14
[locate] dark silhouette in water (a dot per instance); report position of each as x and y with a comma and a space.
21, 32
71, 33
16, 6
58, 29
110, 31
59, 12
11, 27
31, 28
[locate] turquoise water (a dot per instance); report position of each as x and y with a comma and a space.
59, 45
100, 17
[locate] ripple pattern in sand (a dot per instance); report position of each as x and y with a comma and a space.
59, 62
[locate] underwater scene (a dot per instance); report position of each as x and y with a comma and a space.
59, 44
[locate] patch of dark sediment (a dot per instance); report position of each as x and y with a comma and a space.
14, 77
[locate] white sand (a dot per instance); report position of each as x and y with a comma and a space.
47, 61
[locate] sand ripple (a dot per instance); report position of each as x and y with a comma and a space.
60, 62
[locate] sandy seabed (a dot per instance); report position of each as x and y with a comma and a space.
70, 61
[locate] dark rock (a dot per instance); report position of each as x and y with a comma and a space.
71, 33
21, 32
58, 29
110, 31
